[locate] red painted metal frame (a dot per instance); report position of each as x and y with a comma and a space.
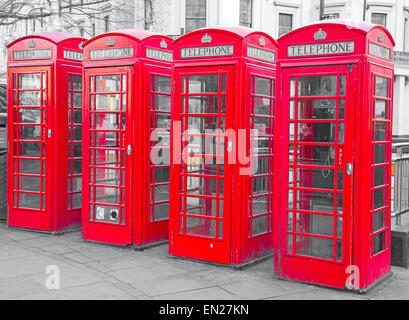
54, 217
137, 228
235, 246
361, 68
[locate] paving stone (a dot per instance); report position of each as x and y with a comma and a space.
167, 285
212, 293
97, 291
256, 289
78, 257
131, 260
13, 288
147, 272
69, 277
10, 251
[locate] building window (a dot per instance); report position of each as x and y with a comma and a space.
148, 14
329, 16
93, 31
195, 15
81, 28
106, 23
285, 23
246, 13
379, 18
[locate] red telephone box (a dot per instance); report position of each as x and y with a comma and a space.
224, 107
335, 155
44, 132
127, 79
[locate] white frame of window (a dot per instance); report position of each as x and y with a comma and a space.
252, 13
287, 8
183, 16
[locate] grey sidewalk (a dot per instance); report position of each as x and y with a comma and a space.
93, 271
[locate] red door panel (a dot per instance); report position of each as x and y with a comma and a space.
30, 111
107, 202
316, 204
202, 181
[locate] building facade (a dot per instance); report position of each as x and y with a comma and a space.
177, 17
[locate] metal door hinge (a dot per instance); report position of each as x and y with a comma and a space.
129, 150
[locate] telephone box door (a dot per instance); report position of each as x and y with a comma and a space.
30, 137
315, 232
203, 182
108, 151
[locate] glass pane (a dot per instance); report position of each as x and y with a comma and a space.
381, 109
379, 199
342, 84
29, 201
379, 176
341, 113
260, 205
162, 121
315, 224
29, 81
162, 103
263, 125
110, 102
262, 86
317, 86
317, 109
262, 106
315, 201
163, 84
380, 131
260, 225
29, 98
29, 166
28, 115
380, 154
108, 177
316, 155
77, 100
30, 133
29, 184
316, 132
202, 186
107, 139
108, 83
381, 87
107, 195
29, 149
161, 211
161, 175
201, 207
107, 158
292, 87
315, 178
107, 121
379, 243
204, 84
77, 201
201, 227
378, 222
77, 83
315, 247
203, 104
205, 125
161, 193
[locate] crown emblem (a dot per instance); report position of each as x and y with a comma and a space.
32, 44
110, 42
262, 42
207, 39
80, 46
320, 35
163, 44
380, 37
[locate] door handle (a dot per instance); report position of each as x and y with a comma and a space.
129, 150
350, 169
229, 146
49, 133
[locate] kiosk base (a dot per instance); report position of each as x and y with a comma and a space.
53, 233
237, 267
400, 246
150, 245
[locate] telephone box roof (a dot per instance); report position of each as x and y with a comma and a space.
360, 27
54, 37
235, 31
134, 34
